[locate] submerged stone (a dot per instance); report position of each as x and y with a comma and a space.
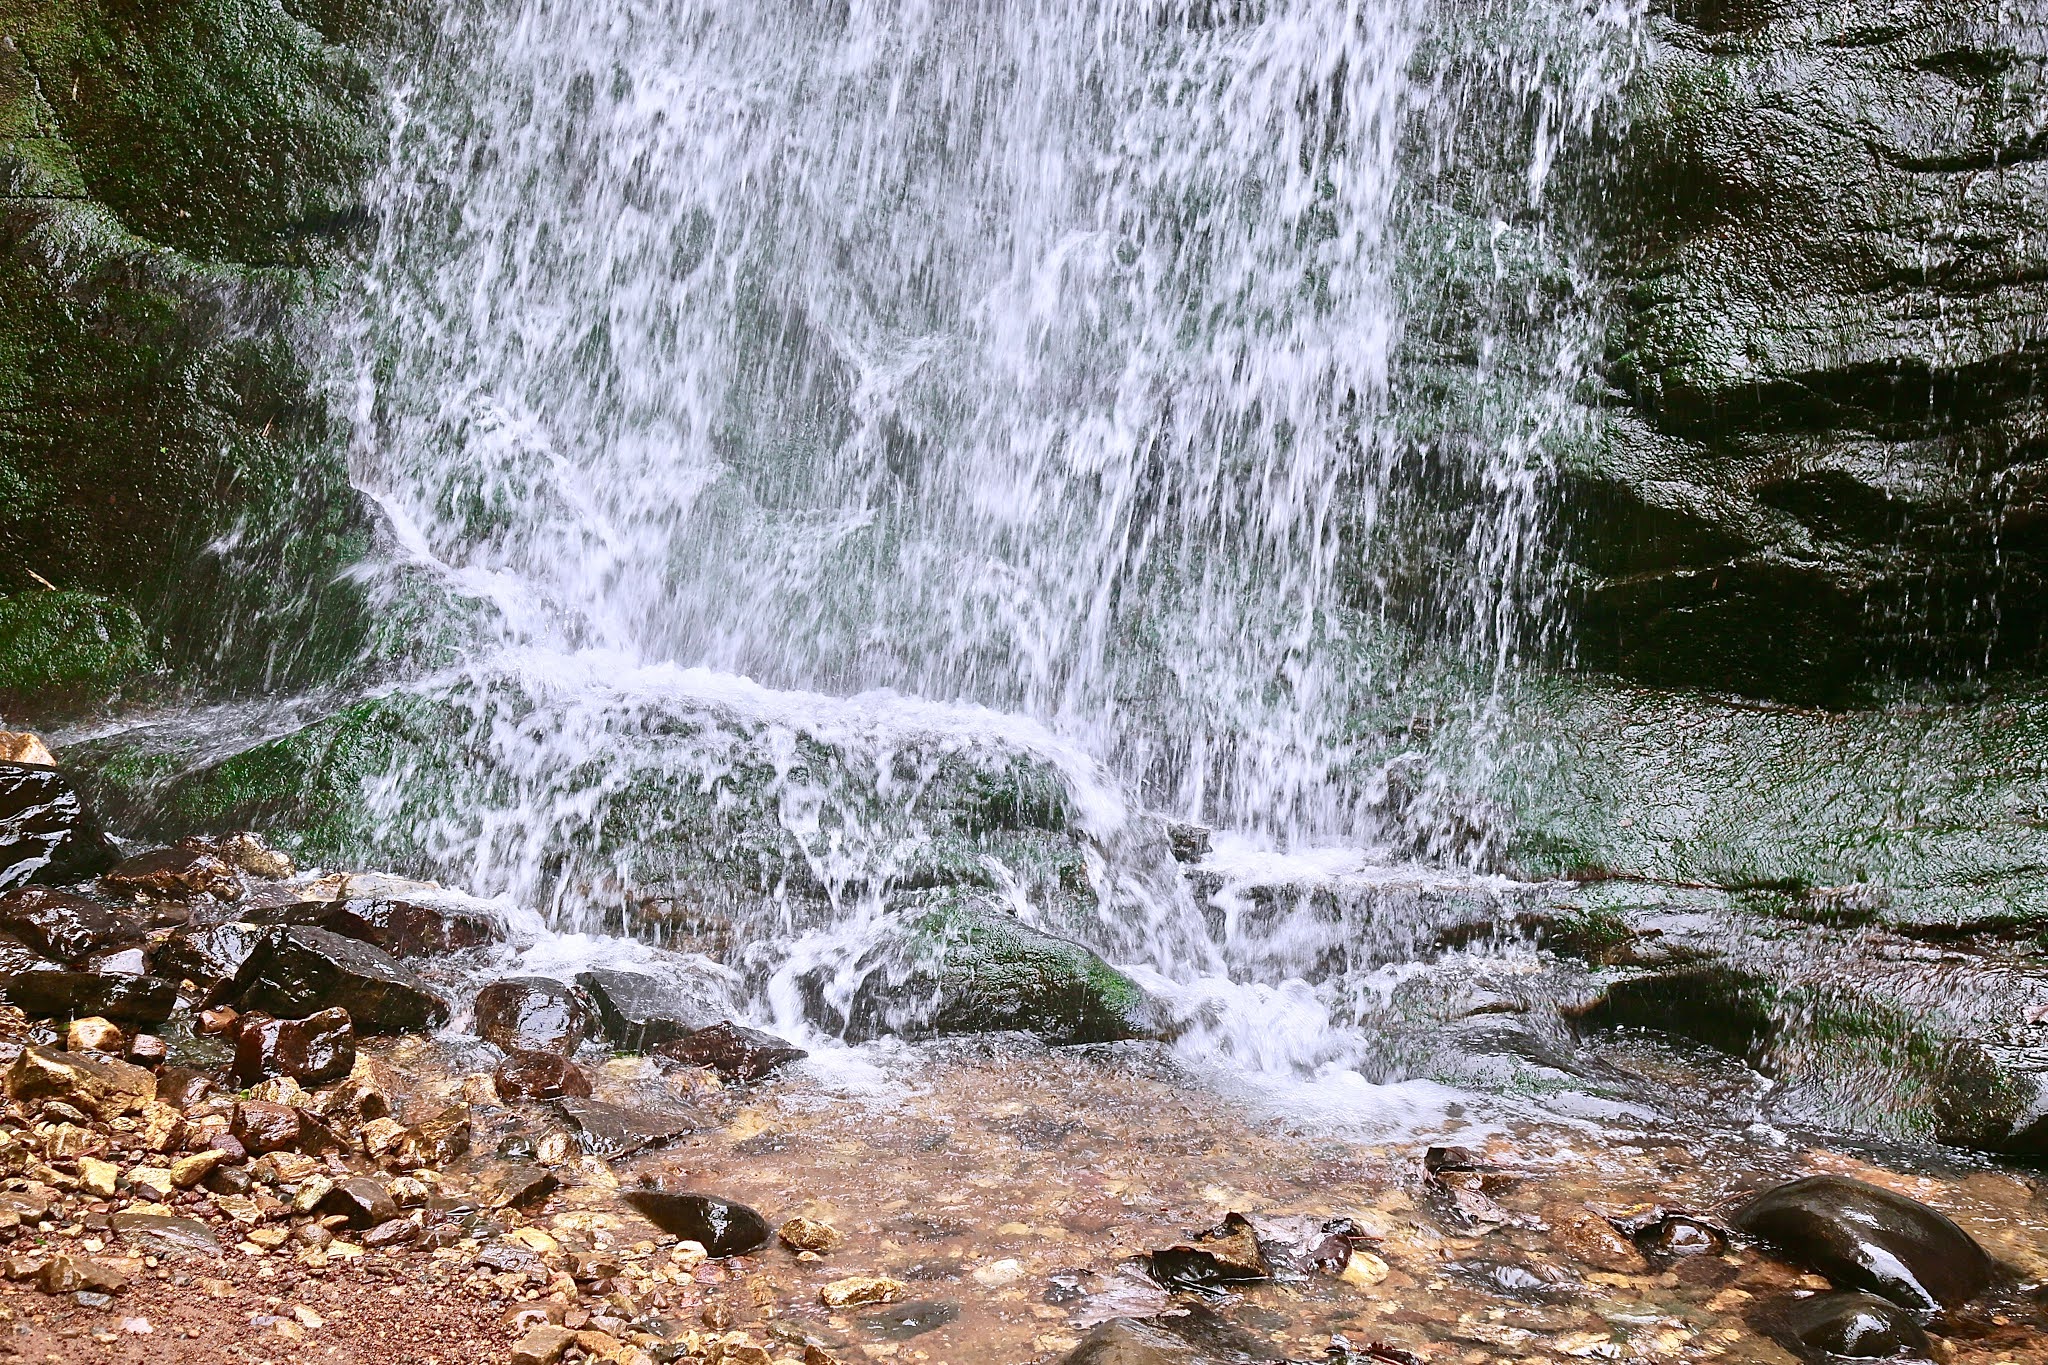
1864, 1237
734, 1051
1124, 1341
533, 1014
294, 971
720, 1226
1835, 1327
641, 1011
46, 834
613, 1130
1226, 1254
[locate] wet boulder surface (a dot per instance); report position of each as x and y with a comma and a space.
295, 971
534, 1014
640, 1010
734, 1051
313, 1051
722, 1227
66, 925
1866, 1238
46, 833
1827, 1328
539, 1076
124, 997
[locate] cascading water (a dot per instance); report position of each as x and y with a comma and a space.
1159, 389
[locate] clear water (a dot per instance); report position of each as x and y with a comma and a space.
1162, 389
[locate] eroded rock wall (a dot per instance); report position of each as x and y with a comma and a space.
1827, 470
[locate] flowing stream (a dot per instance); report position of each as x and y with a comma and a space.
1163, 390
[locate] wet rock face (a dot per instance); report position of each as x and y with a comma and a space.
294, 971
720, 1226
1867, 1238
65, 925
314, 1050
174, 873
734, 1051
204, 956
540, 1076
533, 1014
402, 925
125, 997
1832, 1327
46, 834
641, 1011
1820, 484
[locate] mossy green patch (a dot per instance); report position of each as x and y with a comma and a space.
66, 642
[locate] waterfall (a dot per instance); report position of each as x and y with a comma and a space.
1178, 378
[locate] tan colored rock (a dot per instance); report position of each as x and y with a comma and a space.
269, 1239
381, 1137
153, 1182
250, 854
189, 1171
95, 1035
860, 1289
280, 1090
98, 1178
542, 1346
101, 1086
312, 1190
160, 1127
67, 1274
437, 1141
808, 1234
19, 746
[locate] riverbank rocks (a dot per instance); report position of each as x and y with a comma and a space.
533, 1014
722, 1227
1832, 1327
46, 834
641, 1011
539, 1076
293, 971
65, 925
127, 997
102, 1087
205, 956
1867, 1238
402, 918
314, 1050
173, 874
615, 1130
734, 1051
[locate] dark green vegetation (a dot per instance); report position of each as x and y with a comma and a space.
1827, 470
172, 176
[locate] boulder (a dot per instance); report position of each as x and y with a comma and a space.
52, 993
1123, 1341
720, 1226
734, 1051
533, 1014
361, 1200
313, 1050
65, 925
436, 1140
205, 956
641, 1011
100, 1086
612, 1130
1830, 1327
425, 921
264, 1127
1867, 1238
94, 1034
46, 834
175, 874
540, 1076
294, 971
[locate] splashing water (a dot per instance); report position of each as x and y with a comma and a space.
1167, 385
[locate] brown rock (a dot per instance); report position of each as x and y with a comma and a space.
362, 1201
215, 1022
101, 1086
437, 1141
732, 1050
67, 1274
807, 1234
313, 1050
188, 1171
512, 1186
261, 1127
174, 873
1228, 1254
533, 1014
148, 1050
19, 746
540, 1076
542, 1346
395, 1232
64, 925
95, 1035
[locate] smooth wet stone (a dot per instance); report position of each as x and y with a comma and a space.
438, 1139
425, 922
294, 971
46, 834
512, 1186
1123, 1341
540, 1076
64, 925
720, 1226
263, 1127
913, 1319
1864, 1237
533, 1014
173, 873
313, 1051
1835, 1327
160, 1234
734, 1051
1227, 1254
364, 1202
53, 993
613, 1130
641, 1011
204, 955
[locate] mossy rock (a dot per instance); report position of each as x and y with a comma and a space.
68, 643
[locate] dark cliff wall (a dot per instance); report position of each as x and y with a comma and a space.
1826, 476
173, 176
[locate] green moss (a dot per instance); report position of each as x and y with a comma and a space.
65, 642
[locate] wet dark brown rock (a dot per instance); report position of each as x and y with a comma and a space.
46, 834
1226, 1254
403, 926
204, 955
641, 1011
533, 1014
313, 1050
263, 1127
173, 873
513, 1186
64, 925
437, 1140
734, 1051
361, 1200
1864, 1237
386, 1236
223, 1021
1844, 1327
293, 971
1122, 1341
146, 1049
612, 1130
540, 1076
720, 1226
181, 1087
54, 993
